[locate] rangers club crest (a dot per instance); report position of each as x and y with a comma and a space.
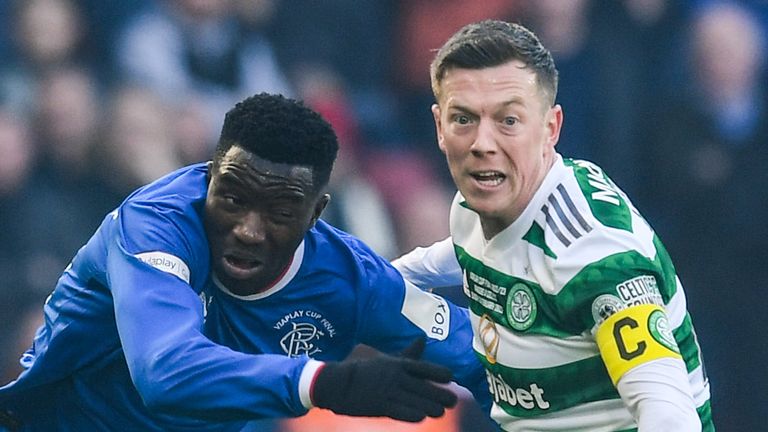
303, 331
301, 340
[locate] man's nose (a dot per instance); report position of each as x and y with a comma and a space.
251, 228
485, 138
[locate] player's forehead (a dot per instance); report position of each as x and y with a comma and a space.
507, 84
240, 167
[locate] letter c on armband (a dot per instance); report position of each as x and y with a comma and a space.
633, 336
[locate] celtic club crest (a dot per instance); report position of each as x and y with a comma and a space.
521, 307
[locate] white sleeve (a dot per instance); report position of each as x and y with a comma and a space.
431, 267
658, 395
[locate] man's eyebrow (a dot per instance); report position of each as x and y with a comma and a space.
512, 101
230, 179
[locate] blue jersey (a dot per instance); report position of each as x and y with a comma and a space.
139, 335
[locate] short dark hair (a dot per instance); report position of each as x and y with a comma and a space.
492, 43
282, 130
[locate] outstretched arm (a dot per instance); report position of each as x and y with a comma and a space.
397, 311
179, 371
431, 267
644, 362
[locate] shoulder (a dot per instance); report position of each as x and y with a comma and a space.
178, 194
584, 214
588, 233
464, 222
348, 256
166, 214
604, 200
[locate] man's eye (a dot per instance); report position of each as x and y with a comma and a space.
462, 119
510, 121
232, 200
284, 214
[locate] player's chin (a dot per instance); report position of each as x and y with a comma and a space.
485, 203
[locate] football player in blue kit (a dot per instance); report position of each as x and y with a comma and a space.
216, 295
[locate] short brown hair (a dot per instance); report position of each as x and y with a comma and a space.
492, 43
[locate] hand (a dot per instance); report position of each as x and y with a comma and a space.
403, 388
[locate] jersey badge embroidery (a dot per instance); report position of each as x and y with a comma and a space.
659, 327
303, 330
300, 340
604, 306
521, 307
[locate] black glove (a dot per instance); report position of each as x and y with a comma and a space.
402, 388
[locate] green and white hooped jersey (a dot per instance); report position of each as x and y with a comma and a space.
579, 253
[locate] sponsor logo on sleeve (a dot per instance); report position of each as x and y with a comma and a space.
640, 290
427, 311
166, 262
604, 306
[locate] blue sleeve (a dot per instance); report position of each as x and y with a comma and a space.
396, 312
174, 367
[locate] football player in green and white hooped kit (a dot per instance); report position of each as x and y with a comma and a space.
578, 315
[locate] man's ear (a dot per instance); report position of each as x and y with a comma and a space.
438, 128
320, 205
208, 175
554, 124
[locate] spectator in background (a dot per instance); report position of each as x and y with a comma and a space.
105, 21
69, 199
416, 39
565, 28
16, 165
639, 42
45, 34
708, 153
198, 53
137, 143
356, 205
351, 42
614, 57
43, 38
352, 39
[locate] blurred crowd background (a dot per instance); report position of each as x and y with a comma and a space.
668, 96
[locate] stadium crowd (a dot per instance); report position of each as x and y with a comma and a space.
669, 96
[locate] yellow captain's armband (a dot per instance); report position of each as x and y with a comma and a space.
634, 336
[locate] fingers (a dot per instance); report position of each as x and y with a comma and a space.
429, 392
414, 350
406, 413
428, 371
410, 407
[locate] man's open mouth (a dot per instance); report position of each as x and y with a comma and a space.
241, 267
489, 178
